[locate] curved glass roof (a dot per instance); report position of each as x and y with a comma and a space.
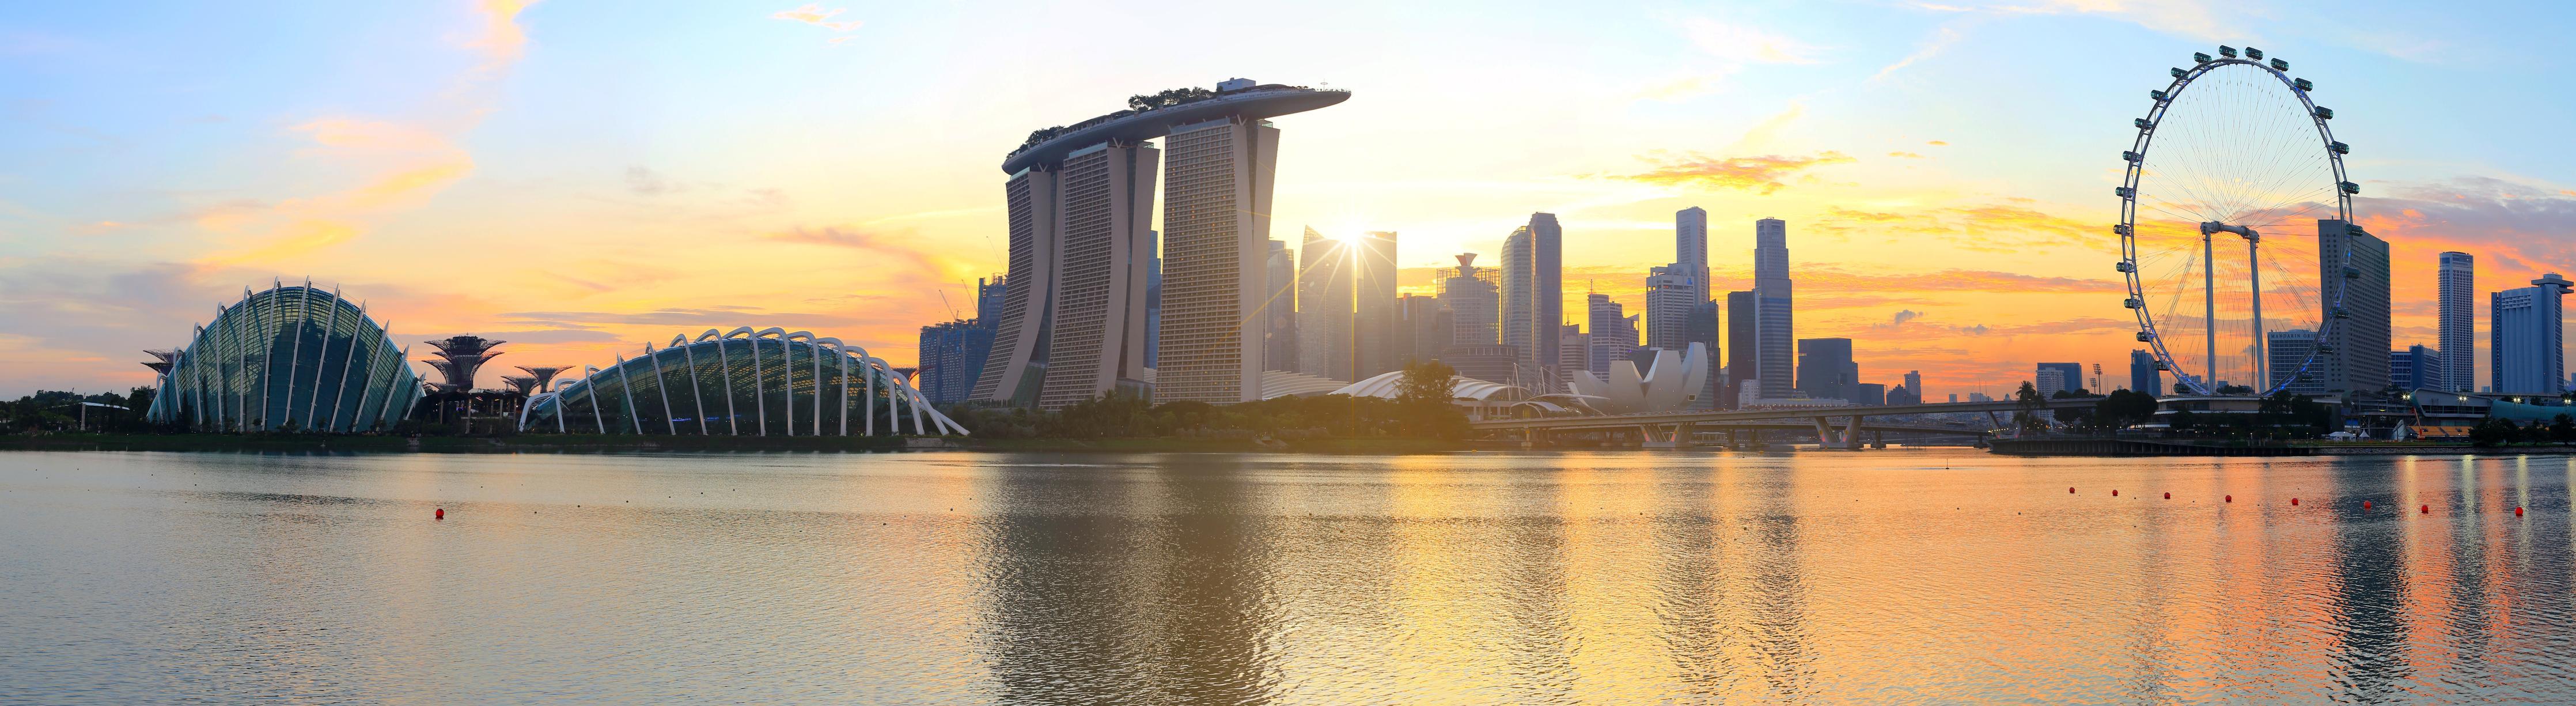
744, 383
288, 359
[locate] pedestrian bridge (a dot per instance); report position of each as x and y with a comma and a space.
1837, 427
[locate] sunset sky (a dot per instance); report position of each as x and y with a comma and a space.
581, 177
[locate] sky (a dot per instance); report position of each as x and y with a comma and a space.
579, 178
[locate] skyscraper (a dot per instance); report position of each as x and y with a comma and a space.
2355, 348
1914, 383
2526, 352
1473, 296
1079, 201
1825, 369
1573, 352
1673, 296
1424, 330
1154, 300
1773, 342
1614, 333
1519, 302
1324, 307
1742, 356
1547, 287
1374, 317
1279, 310
1690, 242
953, 353
1704, 331
2457, 290
2143, 375
2070, 377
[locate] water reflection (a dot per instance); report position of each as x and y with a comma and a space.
1209, 578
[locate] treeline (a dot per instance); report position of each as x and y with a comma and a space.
2494, 431
59, 411
1422, 409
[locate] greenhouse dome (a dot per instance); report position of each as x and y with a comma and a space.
742, 383
288, 359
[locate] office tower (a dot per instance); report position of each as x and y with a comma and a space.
1097, 330
1825, 369
2525, 351
2070, 377
1914, 383
953, 354
1672, 298
1690, 242
2287, 350
2143, 375
1703, 330
2456, 290
1324, 307
2416, 368
2049, 381
1614, 333
1573, 352
1425, 330
1773, 343
2355, 348
1547, 286
1279, 310
1473, 296
1374, 316
1974, 397
1520, 268
1868, 394
1742, 356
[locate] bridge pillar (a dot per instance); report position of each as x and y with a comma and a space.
1878, 440
1851, 433
1825, 436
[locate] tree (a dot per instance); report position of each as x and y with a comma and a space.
1423, 401
2562, 429
2124, 408
2492, 432
2029, 403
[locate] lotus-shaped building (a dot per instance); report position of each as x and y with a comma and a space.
287, 359
1667, 387
742, 383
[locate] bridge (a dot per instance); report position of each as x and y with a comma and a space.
1835, 427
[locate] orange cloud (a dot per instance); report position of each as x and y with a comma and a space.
1907, 155
815, 15
502, 41
1761, 174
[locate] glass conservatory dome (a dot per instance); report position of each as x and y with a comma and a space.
288, 359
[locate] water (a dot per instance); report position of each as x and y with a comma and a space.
1200, 578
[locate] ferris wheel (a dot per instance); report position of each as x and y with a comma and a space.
2240, 153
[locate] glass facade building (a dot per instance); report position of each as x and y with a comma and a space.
288, 359
743, 383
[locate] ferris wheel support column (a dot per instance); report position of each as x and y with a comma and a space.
2209, 307
2262, 347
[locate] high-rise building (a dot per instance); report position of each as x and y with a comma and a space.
1704, 331
1742, 356
1867, 394
2525, 349
1914, 383
1154, 301
1614, 333
2143, 375
1546, 285
1520, 270
1775, 308
1673, 296
1573, 352
2070, 377
2416, 368
2354, 348
1825, 369
2287, 350
1901, 396
1279, 310
2049, 381
1324, 307
1374, 316
1473, 296
1425, 329
953, 353
1080, 201
2457, 291
1690, 242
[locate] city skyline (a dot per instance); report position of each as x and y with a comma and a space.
467, 132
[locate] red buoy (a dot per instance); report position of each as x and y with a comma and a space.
2517, 512
2168, 496
2365, 504
2070, 490
442, 514
2231, 498
2115, 493
2428, 509
2294, 501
